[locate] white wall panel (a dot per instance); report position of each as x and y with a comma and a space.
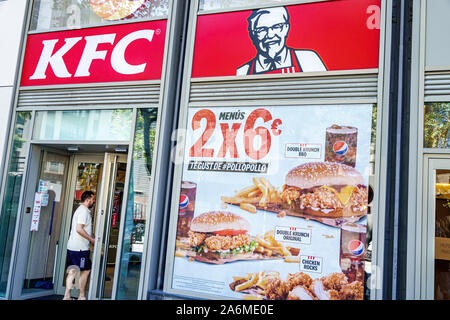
6, 94
12, 15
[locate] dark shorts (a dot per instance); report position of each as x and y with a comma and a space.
79, 258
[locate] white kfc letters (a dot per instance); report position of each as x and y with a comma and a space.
54, 59
90, 53
118, 61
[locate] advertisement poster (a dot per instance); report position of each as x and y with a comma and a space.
274, 206
36, 211
311, 37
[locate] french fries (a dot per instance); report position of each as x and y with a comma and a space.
260, 193
252, 281
246, 191
258, 282
239, 200
292, 259
248, 207
239, 278
268, 245
179, 253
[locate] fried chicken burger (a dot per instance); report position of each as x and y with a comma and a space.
325, 189
220, 236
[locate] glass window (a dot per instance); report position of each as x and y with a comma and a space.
437, 125
233, 174
137, 206
442, 236
12, 194
55, 14
225, 4
83, 125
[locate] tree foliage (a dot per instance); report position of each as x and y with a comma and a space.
437, 125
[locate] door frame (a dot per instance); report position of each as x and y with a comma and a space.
32, 175
23, 242
431, 164
68, 205
102, 220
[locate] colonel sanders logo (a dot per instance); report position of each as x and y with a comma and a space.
269, 29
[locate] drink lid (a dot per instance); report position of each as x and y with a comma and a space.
342, 129
353, 227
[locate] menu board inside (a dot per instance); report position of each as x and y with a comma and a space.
274, 202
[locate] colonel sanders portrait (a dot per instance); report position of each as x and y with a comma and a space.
269, 29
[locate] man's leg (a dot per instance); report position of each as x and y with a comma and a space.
71, 273
84, 275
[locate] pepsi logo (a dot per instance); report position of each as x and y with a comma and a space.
340, 148
356, 247
184, 201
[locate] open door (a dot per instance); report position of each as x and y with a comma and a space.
110, 205
86, 171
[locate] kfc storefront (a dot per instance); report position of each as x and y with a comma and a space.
238, 149
279, 182
92, 106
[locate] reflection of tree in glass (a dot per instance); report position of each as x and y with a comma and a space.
144, 139
374, 123
437, 125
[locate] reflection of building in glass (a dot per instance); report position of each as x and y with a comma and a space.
222, 4
52, 14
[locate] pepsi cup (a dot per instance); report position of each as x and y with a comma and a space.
340, 144
353, 249
186, 208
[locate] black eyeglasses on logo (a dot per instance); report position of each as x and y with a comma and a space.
262, 31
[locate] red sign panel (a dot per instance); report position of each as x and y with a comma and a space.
127, 52
332, 35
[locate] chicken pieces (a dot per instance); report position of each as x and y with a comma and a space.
300, 286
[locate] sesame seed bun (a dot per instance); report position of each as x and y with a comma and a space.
317, 174
218, 221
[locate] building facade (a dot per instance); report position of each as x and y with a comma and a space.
235, 147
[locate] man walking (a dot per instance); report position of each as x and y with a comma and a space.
78, 253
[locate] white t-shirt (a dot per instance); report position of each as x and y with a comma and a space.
76, 242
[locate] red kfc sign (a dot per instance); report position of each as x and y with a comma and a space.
314, 37
127, 52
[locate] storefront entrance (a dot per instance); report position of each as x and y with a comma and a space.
57, 176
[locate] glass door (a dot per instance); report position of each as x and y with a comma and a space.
108, 226
438, 282
46, 222
85, 175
